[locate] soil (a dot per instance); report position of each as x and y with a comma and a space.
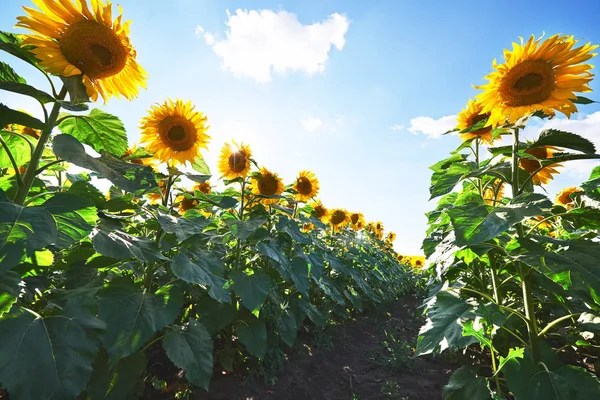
353, 367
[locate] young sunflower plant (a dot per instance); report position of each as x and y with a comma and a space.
204, 274
513, 272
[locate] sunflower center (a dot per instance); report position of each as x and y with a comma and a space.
267, 185
354, 218
528, 83
94, 48
176, 133
338, 217
304, 185
319, 212
237, 161
531, 165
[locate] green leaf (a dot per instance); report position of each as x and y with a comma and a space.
100, 130
444, 324
22, 88
9, 290
7, 74
465, 384
117, 244
252, 289
19, 148
252, 333
67, 105
183, 228
567, 140
513, 354
119, 380
23, 230
126, 176
144, 313
299, 273
199, 165
215, 315
75, 217
470, 330
12, 44
580, 260
243, 229
55, 350
205, 270
190, 348
583, 100
477, 224
291, 227
287, 328
443, 181
9, 116
76, 89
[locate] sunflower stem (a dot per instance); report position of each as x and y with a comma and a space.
524, 271
241, 215
31, 171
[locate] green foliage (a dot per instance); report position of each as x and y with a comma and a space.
100, 130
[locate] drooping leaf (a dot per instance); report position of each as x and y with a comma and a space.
27, 90
12, 44
127, 176
7, 74
291, 227
100, 130
191, 348
183, 228
444, 324
252, 289
23, 230
243, 229
252, 333
9, 290
567, 140
19, 148
199, 165
444, 180
75, 217
114, 243
9, 116
144, 312
299, 273
118, 380
287, 328
465, 384
55, 350
215, 315
205, 270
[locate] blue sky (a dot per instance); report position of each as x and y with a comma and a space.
379, 64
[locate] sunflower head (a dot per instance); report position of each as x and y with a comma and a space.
306, 186
391, 237
494, 193
378, 226
564, 196
234, 161
70, 39
357, 221
307, 227
338, 218
471, 115
267, 183
537, 76
203, 187
175, 132
319, 210
418, 261
543, 225
530, 165
156, 197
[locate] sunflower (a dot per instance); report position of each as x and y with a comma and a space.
378, 226
470, 116
319, 210
307, 227
537, 76
418, 261
186, 202
203, 187
564, 196
70, 39
494, 193
400, 258
338, 218
543, 225
357, 221
267, 183
306, 186
234, 161
391, 236
541, 153
175, 131
157, 197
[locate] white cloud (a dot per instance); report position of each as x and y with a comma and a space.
397, 127
199, 31
312, 124
258, 42
432, 128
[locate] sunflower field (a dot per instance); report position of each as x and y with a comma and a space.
94, 286
513, 272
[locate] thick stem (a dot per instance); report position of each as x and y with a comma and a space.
523, 269
39, 150
494, 272
241, 215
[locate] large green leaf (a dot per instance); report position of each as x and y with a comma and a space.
19, 148
9, 116
126, 176
7, 74
133, 316
205, 270
252, 288
183, 228
444, 180
252, 333
118, 380
12, 44
580, 260
190, 348
117, 244
444, 324
465, 384
23, 230
54, 351
290, 227
287, 328
9, 290
243, 229
23, 88
567, 140
477, 224
299, 272
75, 217
215, 315
100, 130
